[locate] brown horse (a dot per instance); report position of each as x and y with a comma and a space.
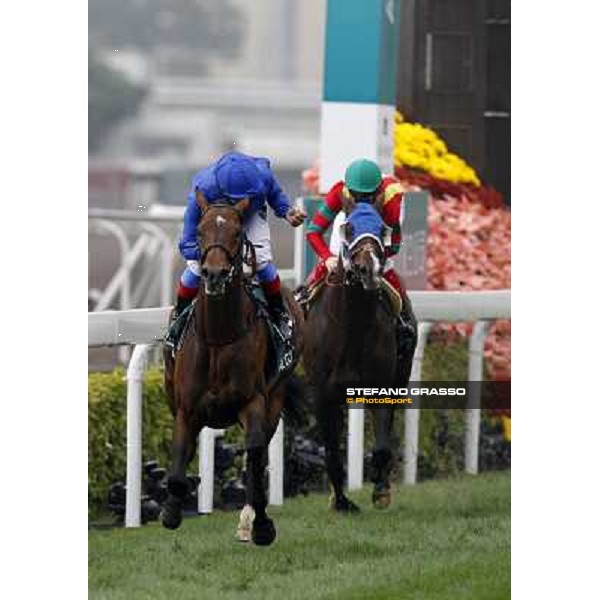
218, 377
350, 339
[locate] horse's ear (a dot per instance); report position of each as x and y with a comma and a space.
201, 201
348, 202
242, 205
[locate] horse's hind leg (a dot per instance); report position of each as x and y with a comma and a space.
185, 435
382, 457
258, 434
331, 421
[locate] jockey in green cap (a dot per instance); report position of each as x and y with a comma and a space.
364, 182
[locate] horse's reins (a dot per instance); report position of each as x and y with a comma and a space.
337, 279
236, 260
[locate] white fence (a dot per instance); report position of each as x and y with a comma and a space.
144, 328
152, 238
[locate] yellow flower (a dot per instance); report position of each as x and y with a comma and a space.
420, 147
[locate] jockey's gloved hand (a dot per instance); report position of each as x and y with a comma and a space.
331, 263
295, 216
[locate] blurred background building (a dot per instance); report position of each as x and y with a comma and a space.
199, 78
173, 83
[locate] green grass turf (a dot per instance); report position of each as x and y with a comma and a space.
439, 539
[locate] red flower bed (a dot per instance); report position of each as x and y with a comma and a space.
468, 248
487, 196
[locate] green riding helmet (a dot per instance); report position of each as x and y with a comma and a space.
363, 176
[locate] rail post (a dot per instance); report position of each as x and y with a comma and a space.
473, 413
166, 262
135, 382
411, 416
276, 467
206, 443
356, 443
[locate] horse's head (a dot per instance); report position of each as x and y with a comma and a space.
362, 248
221, 243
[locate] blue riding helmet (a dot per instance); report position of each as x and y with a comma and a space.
238, 176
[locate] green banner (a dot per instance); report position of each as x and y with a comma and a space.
361, 51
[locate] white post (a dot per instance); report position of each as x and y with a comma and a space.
119, 233
166, 262
473, 414
167, 274
124, 246
298, 242
356, 432
135, 378
121, 277
206, 470
276, 467
411, 421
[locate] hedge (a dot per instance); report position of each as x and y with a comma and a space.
107, 413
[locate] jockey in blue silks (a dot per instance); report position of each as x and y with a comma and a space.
233, 177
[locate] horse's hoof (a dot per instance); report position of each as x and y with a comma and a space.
382, 498
170, 515
263, 533
244, 534
170, 519
343, 505
244, 530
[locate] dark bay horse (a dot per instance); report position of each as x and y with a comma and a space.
350, 339
217, 378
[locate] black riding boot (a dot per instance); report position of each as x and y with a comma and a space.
177, 323
283, 322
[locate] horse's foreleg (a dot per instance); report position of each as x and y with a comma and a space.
185, 434
331, 421
257, 435
382, 457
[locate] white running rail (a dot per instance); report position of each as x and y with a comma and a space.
144, 328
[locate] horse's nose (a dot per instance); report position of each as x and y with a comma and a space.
214, 275
361, 270
210, 275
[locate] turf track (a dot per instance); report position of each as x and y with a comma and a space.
443, 539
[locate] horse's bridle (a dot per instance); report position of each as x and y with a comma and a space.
349, 251
236, 260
